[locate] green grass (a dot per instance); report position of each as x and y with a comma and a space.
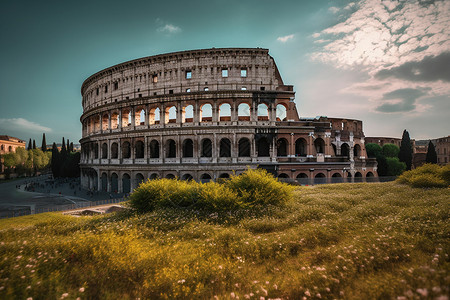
341, 241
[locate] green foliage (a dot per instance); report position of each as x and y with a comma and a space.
427, 176
44, 143
252, 188
394, 166
431, 154
390, 150
405, 153
26, 161
342, 241
373, 150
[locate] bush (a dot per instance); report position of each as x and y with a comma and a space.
427, 176
252, 188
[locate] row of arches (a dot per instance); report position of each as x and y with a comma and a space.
321, 177
206, 112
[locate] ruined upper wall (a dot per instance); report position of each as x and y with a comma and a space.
183, 72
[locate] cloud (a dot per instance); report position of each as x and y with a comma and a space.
21, 124
401, 100
334, 9
431, 68
169, 29
285, 38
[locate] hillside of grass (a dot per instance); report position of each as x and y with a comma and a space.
340, 241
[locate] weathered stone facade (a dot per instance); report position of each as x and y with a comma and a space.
206, 114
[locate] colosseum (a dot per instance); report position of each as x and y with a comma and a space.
205, 115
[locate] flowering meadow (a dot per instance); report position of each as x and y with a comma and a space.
340, 241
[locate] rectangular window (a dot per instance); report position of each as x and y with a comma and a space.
106, 88
116, 85
262, 88
155, 78
97, 91
243, 72
188, 74
140, 95
188, 90
170, 91
224, 72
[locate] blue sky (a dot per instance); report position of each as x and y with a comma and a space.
377, 61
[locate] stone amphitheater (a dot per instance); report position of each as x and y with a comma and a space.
204, 115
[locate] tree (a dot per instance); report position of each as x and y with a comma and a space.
405, 154
373, 150
44, 143
68, 146
29, 145
34, 144
394, 166
55, 161
390, 150
431, 154
71, 147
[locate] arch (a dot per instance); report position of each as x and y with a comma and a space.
244, 147
114, 150
334, 149
302, 175
206, 113
337, 178
225, 112
115, 120
356, 151
263, 112
358, 177
139, 148
126, 118
300, 147
154, 176
114, 183
104, 182
170, 176
283, 175
171, 149
281, 112
105, 119
345, 150
370, 174
104, 150
188, 148
336, 175
96, 124
282, 146
154, 115
95, 150
224, 175
139, 178
187, 177
370, 177
205, 177
225, 148
188, 114
171, 114
263, 147
319, 145
320, 175
140, 116
154, 149
126, 150
358, 174
206, 148
244, 112
126, 183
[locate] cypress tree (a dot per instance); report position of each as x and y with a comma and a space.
431, 154
55, 161
405, 154
67, 146
34, 144
29, 145
63, 146
44, 143
71, 147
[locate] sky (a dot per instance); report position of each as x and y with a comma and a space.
386, 63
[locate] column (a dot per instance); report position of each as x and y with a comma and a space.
133, 117
109, 121
120, 120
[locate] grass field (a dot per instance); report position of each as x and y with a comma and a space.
344, 241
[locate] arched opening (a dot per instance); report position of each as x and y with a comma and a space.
115, 120
188, 148
171, 115
126, 184
105, 122
319, 145
154, 115
126, 118
140, 117
139, 149
244, 147
104, 150
206, 113
263, 147
225, 112
224, 175
369, 174
302, 175
170, 176
114, 183
104, 180
281, 112
95, 151
225, 148
320, 175
357, 151
358, 177
283, 175
345, 150
154, 176
336, 178
126, 150
205, 177
263, 112
187, 177
206, 148
302, 178
300, 147
334, 149
114, 151
370, 177
244, 112
154, 149
139, 179
282, 146
188, 114
96, 124
320, 178
171, 149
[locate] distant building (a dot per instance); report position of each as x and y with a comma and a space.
442, 146
9, 144
383, 140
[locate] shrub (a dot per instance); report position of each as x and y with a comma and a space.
216, 196
428, 175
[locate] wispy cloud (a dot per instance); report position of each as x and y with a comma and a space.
334, 9
285, 38
21, 124
167, 28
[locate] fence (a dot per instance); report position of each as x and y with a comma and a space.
325, 180
78, 205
